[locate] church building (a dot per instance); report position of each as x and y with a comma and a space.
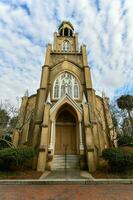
65, 116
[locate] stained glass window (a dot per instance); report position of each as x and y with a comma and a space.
56, 91
66, 83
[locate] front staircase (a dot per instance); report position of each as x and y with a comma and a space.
59, 162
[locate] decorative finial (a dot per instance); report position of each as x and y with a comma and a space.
26, 94
103, 94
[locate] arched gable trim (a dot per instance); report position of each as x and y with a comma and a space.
66, 99
77, 65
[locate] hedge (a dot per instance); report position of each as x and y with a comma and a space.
125, 140
15, 156
118, 159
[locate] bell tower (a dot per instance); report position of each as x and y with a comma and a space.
65, 40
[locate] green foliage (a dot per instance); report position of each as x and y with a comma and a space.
125, 140
125, 102
4, 118
3, 144
118, 159
7, 136
16, 156
114, 120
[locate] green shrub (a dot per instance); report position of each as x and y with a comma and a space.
3, 144
16, 156
118, 159
125, 140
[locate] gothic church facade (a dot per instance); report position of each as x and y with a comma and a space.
68, 116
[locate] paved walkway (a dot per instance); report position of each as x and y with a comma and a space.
69, 174
66, 192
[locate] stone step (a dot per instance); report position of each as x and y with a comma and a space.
68, 163
72, 159
63, 167
68, 157
59, 162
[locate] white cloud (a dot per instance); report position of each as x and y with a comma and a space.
26, 26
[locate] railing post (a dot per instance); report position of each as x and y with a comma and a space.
65, 147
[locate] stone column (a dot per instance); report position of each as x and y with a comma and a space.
76, 41
68, 32
43, 147
80, 137
23, 107
96, 143
43, 150
110, 133
90, 150
55, 40
40, 100
89, 140
52, 137
101, 139
15, 138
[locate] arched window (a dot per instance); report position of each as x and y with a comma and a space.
65, 46
66, 32
56, 89
61, 32
62, 90
66, 83
71, 33
75, 91
69, 90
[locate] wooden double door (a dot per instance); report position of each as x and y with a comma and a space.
65, 134
65, 137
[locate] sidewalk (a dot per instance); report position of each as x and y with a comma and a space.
66, 192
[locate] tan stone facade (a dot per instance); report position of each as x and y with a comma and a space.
67, 112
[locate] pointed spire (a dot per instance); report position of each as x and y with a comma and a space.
103, 94
48, 99
26, 94
84, 101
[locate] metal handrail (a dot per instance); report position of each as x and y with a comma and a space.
65, 147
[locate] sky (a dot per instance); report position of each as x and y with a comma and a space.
105, 26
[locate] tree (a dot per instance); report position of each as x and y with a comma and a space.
10, 117
13, 122
4, 118
125, 102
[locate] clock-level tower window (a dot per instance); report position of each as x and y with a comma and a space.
66, 83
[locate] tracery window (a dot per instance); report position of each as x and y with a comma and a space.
66, 83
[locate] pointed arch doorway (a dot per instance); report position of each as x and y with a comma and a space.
66, 131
